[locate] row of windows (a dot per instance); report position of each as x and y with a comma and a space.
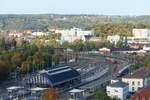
133, 89
133, 83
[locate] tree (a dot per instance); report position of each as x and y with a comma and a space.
50, 94
120, 44
147, 61
4, 69
17, 58
101, 95
2, 42
77, 45
25, 67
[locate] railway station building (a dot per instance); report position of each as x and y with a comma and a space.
56, 78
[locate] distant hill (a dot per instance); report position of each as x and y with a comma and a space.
43, 21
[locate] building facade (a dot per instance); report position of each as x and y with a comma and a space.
140, 38
114, 39
118, 90
75, 34
138, 79
77, 94
141, 33
40, 34
104, 51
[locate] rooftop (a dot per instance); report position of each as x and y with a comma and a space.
60, 75
38, 89
140, 73
76, 91
119, 84
14, 87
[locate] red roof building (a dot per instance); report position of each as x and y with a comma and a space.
142, 94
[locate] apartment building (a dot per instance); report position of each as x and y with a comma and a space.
118, 90
138, 79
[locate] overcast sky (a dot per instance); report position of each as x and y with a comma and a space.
105, 7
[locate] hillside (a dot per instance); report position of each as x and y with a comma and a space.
44, 21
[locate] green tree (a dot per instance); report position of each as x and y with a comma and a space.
4, 69
101, 95
120, 44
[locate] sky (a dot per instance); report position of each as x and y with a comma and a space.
102, 7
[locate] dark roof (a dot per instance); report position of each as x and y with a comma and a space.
119, 84
61, 75
140, 73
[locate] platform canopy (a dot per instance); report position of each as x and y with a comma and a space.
60, 75
14, 87
76, 91
38, 89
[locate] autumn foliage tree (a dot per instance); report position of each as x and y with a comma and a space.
50, 94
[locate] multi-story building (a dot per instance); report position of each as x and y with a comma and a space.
15, 34
138, 79
141, 33
140, 38
113, 39
75, 34
77, 94
118, 90
39, 33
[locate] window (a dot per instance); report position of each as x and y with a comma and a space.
133, 83
138, 82
72, 96
133, 89
139, 88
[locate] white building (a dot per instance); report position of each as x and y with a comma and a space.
71, 38
39, 33
113, 39
74, 34
15, 34
76, 94
141, 33
118, 90
104, 51
140, 37
147, 49
138, 79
